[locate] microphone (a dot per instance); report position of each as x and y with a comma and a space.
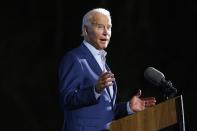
157, 78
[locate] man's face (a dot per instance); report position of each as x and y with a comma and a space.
100, 33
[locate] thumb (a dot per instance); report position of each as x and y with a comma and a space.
139, 92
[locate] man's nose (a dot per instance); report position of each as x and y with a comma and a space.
106, 31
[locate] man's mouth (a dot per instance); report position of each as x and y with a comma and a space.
104, 40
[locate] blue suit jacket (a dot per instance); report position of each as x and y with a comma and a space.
78, 74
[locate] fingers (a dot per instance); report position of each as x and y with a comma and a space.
105, 80
149, 104
150, 101
148, 98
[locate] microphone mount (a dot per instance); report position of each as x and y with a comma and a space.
168, 90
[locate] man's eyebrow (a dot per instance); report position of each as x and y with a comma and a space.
103, 24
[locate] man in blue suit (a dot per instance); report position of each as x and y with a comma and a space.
87, 86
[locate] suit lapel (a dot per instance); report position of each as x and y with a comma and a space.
91, 60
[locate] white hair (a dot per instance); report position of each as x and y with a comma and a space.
87, 17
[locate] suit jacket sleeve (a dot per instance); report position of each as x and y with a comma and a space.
75, 90
120, 110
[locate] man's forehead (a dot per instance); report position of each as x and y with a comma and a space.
100, 18
98, 15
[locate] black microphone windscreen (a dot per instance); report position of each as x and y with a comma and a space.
153, 76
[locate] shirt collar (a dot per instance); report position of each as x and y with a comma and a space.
93, 50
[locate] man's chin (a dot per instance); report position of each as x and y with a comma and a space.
104, 46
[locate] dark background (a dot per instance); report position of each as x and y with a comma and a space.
36, 33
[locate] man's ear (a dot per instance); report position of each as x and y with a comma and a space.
86, 29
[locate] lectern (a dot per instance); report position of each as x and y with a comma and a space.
162, 115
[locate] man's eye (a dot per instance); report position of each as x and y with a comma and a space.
109, 27
100, 26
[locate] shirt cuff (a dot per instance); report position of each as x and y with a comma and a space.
96, 94
129, 110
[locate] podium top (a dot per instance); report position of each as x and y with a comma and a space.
154, 118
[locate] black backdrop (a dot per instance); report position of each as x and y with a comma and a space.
36, 33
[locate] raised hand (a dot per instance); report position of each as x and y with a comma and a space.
105, 80
138, 104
